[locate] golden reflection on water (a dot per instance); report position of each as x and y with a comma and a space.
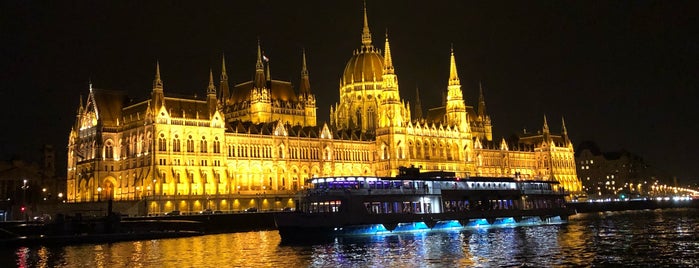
574, 240
607, 239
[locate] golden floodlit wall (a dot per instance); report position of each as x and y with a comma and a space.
256, 145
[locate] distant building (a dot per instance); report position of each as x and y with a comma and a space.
262, 138
25, 183
612, 173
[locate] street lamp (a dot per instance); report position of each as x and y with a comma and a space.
24, 198
99, 194
154, 187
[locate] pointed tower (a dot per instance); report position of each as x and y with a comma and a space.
259, 81
305, 87
418, 104
307, 99
481, 102
387, 59
456, 107
566, 140
79, 114
158, 95
390, 104
225, 92
389, 75
268, 74
545, 131
483, 117
211, 94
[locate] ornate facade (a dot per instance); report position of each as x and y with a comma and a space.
261, 137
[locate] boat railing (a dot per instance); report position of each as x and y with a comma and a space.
544, 191
371, 191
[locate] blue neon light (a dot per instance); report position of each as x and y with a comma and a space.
374, 229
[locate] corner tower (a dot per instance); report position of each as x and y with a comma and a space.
456, 107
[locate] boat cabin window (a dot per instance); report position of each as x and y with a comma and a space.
326, 206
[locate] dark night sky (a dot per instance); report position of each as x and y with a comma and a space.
624, 74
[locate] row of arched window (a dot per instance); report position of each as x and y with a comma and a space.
426, 150
189, 144
130, 146
247, 150
351, 155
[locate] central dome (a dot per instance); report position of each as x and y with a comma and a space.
367, 63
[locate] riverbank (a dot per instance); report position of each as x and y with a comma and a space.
642, 204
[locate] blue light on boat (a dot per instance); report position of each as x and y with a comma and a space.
448, 225
412, 226
478, 222
504, 221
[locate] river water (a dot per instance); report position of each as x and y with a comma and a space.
653, 238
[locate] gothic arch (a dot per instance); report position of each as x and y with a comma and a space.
108, 186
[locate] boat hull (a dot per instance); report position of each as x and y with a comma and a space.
299, 226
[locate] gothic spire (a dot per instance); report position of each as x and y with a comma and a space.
268, 74
565, 131
157, 95
453, 76
224, 75
80, 108
481, 101
546, 126
366, 34
387, 60
258, 64
211, 94
157, 83
259, 81
418, 105
211, 89
225, 93
305, 87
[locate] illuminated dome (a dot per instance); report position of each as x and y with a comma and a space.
367, 63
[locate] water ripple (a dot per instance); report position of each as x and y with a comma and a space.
650, 238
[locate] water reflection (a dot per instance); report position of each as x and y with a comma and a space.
662, 238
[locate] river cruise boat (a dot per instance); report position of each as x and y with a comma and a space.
345, 205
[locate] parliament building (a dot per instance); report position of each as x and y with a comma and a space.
245, 142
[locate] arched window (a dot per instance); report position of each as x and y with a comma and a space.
139, 145
190, 144
162, 143
426, 149
203, 145
108, 150
127, 146
371, 118
176, 143
441, 150
217, 146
